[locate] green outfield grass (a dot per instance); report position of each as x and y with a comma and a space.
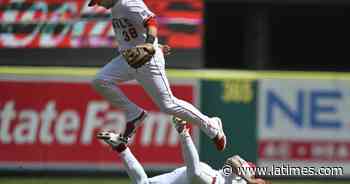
66, 180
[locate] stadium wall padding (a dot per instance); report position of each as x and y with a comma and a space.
234, 102
295, 118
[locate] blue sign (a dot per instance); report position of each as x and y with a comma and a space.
307, 110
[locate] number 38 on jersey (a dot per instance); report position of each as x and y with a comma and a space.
128, 31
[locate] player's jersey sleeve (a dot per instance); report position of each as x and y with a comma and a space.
139, 11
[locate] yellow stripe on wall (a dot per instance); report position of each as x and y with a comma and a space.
181, 74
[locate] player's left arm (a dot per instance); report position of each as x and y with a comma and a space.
152, 32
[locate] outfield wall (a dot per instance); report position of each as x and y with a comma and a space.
49, 123
297, 119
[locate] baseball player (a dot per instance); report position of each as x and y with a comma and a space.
194, 171
142, 58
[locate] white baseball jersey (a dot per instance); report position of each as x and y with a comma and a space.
208, 176
128, 18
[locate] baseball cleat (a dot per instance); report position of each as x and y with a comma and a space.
220, 138
131, 126
179, 124
111, 138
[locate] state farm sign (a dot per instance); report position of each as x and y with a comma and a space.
55, 122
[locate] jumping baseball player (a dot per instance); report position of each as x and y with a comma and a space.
194, 171
142, 58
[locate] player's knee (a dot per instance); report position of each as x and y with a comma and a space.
98, 84
168, 107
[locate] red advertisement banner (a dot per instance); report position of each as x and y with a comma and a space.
55, 123
72, 24
318, 150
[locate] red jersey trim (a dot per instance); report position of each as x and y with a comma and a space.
151, 21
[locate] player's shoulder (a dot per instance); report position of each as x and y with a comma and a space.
135, 6
132, 3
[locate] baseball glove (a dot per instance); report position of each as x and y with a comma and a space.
139, 55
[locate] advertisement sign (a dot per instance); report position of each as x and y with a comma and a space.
52, 124
234, 101
72, 24
304, 123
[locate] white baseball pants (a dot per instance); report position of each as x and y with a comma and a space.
153, 79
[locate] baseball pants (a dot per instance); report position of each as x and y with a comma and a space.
153, 79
